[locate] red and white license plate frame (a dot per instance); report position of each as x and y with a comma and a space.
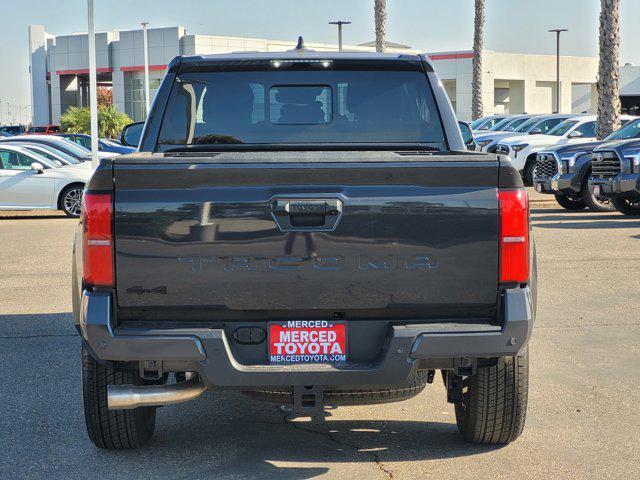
307, 341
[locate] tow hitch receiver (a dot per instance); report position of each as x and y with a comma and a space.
308, 401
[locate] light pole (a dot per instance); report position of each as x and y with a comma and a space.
558, 31
145, 46
93, 85
339, 23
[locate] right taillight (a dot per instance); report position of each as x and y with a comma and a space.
514, 236
97, 255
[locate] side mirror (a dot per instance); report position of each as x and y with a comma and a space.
130, 135
37, 167
576, 134
484, 127
467, 133
535, 131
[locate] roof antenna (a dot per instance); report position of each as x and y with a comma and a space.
300, 45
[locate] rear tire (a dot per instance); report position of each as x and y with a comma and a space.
112, 429
627, 206
494, 401
593, 203
570, 203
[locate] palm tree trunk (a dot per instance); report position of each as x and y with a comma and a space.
476, 83
608, 74
380, 15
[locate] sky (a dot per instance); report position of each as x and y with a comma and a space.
518, 26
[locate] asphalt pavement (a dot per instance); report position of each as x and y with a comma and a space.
583, 419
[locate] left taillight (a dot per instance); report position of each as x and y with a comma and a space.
514, 236
97, 213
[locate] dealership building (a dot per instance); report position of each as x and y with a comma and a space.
60, 64
512, 83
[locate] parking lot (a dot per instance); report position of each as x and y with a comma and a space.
583, 406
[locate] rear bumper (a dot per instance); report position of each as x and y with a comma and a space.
207, 351
622, 185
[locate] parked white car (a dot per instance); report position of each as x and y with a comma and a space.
485, 123
29, 181
535, 125
72, 148
51, 153
522, 151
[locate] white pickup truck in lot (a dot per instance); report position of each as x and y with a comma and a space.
523, 151
535, 125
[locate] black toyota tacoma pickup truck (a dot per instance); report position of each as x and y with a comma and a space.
564, 171
616, 174
309, 229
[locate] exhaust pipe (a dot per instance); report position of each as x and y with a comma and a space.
126, 397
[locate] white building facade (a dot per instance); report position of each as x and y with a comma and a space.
60, 64
512, 83
519, 83
630, 89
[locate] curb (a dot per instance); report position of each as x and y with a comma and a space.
31, 214
543, 204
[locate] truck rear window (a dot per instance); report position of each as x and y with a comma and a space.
300, 107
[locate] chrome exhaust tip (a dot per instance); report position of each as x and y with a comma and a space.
126, 397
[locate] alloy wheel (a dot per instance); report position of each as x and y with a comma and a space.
73, 201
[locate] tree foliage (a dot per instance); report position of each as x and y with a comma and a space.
110, 121
477, 108
608, 83
105, 97
380, 17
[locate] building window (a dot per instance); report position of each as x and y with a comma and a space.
134, 92
450, 87
501, 100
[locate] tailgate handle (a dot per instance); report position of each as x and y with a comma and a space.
317, 214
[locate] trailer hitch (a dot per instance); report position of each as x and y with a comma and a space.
308, 401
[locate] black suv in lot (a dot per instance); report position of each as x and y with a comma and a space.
616, 174
564, 171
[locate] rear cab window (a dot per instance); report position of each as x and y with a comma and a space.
301, 106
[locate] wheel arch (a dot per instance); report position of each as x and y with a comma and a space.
64, 188
531, 158
584, 173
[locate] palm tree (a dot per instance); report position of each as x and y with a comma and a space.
380, 15
476, 83
608, 75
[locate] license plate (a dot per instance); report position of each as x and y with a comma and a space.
307, 341
538, 187
596, 190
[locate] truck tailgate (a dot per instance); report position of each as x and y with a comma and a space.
239, 236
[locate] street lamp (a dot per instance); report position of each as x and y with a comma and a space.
339, 23
145, 46
93, 85
558, 31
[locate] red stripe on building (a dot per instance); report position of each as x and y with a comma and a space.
140, 68
450, 56
83, 71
